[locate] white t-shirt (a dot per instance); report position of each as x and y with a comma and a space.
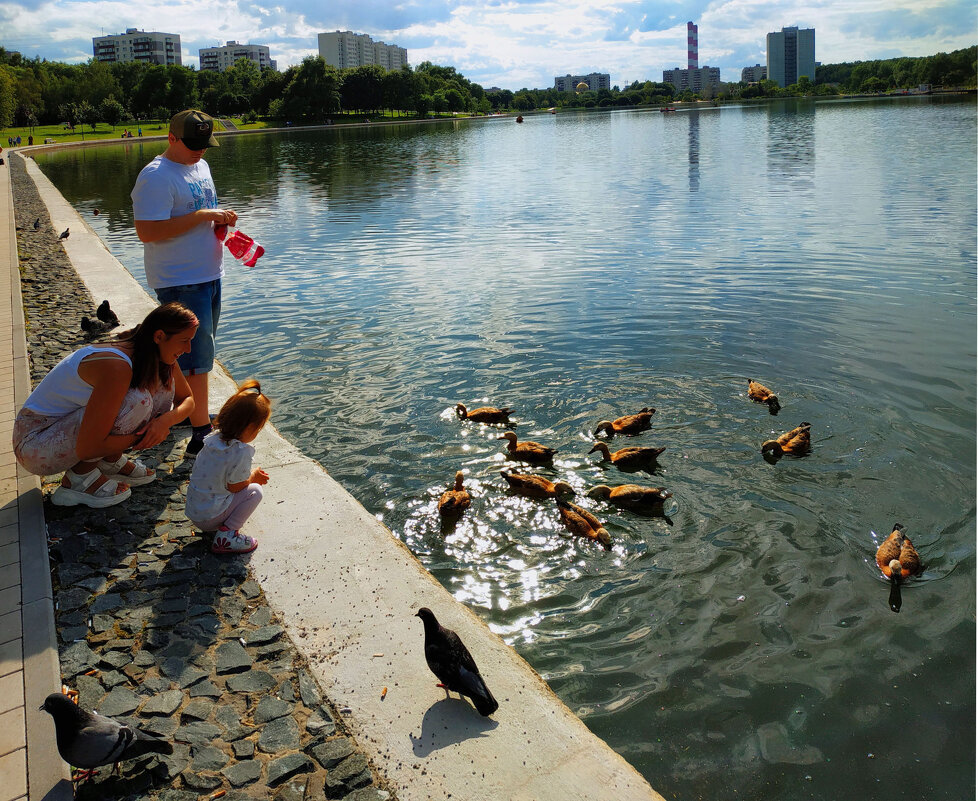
163, 190
218, 464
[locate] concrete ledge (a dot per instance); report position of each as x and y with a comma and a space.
347, 590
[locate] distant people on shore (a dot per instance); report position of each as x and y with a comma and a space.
103, 400
175, 210
224, 489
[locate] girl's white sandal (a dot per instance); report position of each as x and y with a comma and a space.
75, 495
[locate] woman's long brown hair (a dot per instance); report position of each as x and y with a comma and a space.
147, 369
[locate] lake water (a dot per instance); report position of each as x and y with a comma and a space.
579, 267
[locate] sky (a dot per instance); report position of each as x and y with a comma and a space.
511, 44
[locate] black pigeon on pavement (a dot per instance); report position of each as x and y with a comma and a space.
106, 315
37, 223
88, 740
94, 327
452, 663
65, 233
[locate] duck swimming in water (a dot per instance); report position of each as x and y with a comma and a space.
536, 486
627, 425
484, 414
528, 451
582, 523
761, 394
897, 557
796, 442
630, 458
455, 501
643, 500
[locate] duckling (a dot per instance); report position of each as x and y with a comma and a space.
582, 523
896, 556
484, 414
631, 458
761, 394
628, 425
455, 501
797, 442
536, 486
643, 500
528, 451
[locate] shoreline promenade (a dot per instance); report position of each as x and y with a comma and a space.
234, 659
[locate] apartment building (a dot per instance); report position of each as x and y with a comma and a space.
791, 54
151, 47
754, 74
695, 80
218, 59
594, 81
344, 49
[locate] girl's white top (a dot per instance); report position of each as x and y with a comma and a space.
218, 464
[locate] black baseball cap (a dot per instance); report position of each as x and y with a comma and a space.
194, 128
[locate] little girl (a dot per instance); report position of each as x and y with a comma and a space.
224, 490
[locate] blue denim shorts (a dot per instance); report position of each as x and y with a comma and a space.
204, 300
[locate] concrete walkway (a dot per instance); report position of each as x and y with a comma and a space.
347, 591
29, 763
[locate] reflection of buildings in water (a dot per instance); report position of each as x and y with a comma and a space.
791, 144
694, 151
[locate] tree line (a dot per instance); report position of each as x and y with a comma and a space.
38, 92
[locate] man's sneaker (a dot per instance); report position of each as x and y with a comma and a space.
227, 541
196, 443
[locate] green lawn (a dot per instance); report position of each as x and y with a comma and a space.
102, 131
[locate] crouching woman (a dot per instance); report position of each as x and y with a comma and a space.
103, 400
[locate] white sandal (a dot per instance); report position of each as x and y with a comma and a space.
105, 495
140, 474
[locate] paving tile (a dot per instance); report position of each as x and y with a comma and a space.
11, 625
11, 657
9, 576
13, 731
8, 534
13, 768
9, 554
9, 600
11, 691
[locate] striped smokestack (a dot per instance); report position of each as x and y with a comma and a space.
692, 42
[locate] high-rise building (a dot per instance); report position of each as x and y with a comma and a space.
151, 47
594, 81
753, 74
343, 49
218, 59
791, 54
694, 78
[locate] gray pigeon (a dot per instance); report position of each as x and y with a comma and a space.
88, 740
37, 223
452, 663
65, 233
94, 327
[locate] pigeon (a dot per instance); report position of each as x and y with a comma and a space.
94, 327
65, 233
88, 740
106, 315
452, 663
37, 223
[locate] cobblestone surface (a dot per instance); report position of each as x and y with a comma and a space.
156, 630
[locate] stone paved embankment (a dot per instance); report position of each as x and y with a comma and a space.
155, 629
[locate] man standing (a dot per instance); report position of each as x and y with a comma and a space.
175, 209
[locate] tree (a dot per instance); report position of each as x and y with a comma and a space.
362, 88
399, 88
111, 111
7, 98
313, 94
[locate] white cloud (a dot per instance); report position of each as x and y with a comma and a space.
510, 43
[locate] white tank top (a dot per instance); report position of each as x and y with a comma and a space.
63, 391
